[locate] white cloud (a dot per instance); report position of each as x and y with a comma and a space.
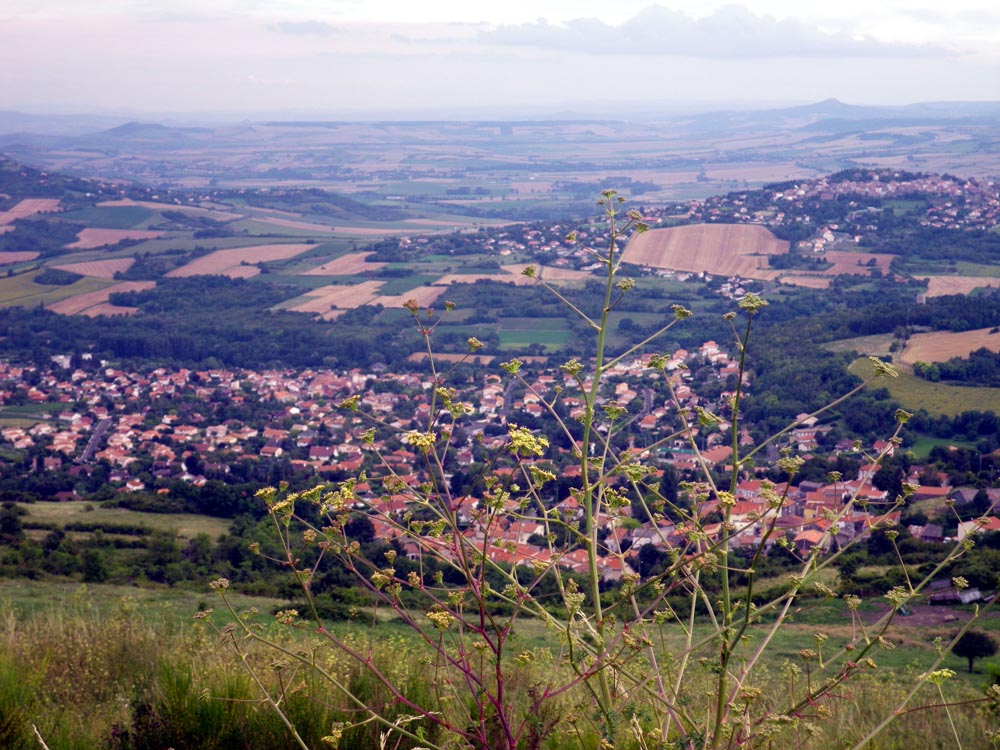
730, 32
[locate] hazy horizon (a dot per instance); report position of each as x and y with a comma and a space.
346, 59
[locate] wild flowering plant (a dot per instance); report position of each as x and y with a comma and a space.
510, 648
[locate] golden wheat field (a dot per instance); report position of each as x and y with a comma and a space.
938, 286
238, 262
940, 346
719, 249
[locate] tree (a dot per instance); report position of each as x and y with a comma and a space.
974, 644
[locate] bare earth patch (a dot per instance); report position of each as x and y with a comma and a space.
941, 285
238, 262
91, 237
346, 265
719, 249
941, 346
96, 303
101, 269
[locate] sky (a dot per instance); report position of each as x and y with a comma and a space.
356, 58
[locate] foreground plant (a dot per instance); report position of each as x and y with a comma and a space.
675, 659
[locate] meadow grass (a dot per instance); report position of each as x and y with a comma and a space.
130, 669
185, 525
916, 393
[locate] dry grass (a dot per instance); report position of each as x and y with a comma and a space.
238, 262
101, 269
346, 265
92, 237
96, 303
939, 286
941, 346
720, 249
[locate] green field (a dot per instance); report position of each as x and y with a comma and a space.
916, 393
516, 333
185, 525
112, 217
876, 346
405, 284
22, 291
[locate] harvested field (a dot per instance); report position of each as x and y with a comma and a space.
720, 249
940, 346
82, 304
16, 256
91, 237
809, 282
336, 299
938, 286
292, 224
472, 278
346, 265
101, 269
849, 262
424, 295
548, 273
29, 207
238, 262
207, 213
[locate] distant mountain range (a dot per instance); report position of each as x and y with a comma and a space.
830, 114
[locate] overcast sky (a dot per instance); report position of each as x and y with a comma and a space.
344, 57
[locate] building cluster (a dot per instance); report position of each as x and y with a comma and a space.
152, 429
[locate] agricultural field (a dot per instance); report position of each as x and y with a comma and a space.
21, 290
185, 525
96, 302
346, 265
719, 249
875, 346
939, 286
940, 346
92, 237
101, 269
937, 399
855, 263
239, 262
28, 207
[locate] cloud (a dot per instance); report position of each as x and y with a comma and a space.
300, 28
730, 32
